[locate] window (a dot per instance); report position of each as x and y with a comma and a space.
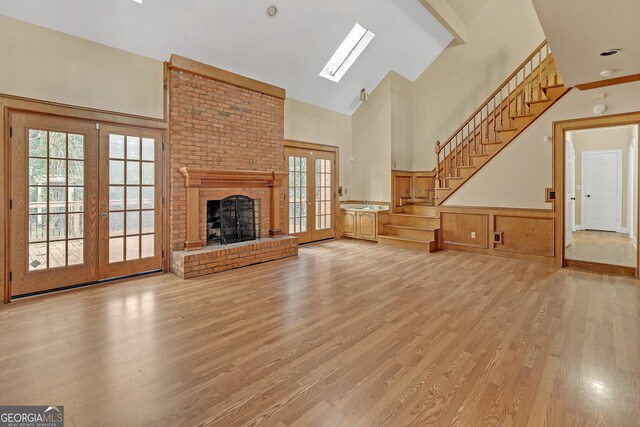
350, 49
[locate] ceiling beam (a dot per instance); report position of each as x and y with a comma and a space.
609, 82
448, 18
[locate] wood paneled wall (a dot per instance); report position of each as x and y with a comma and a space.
526, 234
406, 186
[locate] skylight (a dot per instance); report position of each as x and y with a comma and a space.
350, 49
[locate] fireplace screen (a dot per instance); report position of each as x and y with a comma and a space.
237, 219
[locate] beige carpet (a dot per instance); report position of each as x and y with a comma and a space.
603, 247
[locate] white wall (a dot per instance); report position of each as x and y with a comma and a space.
498, 38
401, 123
47, 65
371, 146
518, 176
308, 123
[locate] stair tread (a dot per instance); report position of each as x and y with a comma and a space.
507, 129
405, 227
537, 101
552, 86
424, 204
453, 177
444, 188
478, 155
405, 239
518, 116
412, 215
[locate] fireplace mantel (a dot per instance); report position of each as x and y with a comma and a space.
197, 178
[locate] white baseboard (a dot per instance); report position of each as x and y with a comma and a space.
624, 230
635, 242
578, 227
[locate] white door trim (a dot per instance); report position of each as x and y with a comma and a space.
583, 195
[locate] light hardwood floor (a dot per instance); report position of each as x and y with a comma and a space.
350, 333
603, 247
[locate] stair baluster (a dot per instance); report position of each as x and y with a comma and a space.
466, 150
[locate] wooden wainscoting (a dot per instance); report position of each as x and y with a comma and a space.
524, 234
401, 188
457, 229
408, 187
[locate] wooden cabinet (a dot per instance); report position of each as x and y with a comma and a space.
360, 225
367, 225
349, 227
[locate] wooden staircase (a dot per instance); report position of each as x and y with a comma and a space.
416, 226
532, 89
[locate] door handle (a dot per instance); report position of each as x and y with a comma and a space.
588, 195
104, 214
573, 198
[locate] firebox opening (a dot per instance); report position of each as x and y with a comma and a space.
232, 220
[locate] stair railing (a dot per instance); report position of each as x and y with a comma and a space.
509, 101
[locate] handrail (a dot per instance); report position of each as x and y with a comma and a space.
474, 133
506, 81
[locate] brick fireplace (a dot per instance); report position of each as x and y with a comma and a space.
227, 138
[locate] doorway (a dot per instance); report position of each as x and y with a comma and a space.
85, 204
600, 206
310, 214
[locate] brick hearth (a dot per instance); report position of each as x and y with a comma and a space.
214, 259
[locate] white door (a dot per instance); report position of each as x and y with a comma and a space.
602, 190
570, 194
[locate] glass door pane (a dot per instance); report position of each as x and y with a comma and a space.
54, 169
323, 194
297, 194
130, 206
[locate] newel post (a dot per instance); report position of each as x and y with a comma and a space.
438, 164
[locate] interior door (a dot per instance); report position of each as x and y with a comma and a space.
130, 196
310, 213
570, 194
54, 187
601, 191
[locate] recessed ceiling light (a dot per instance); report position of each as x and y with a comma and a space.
353, 45
272, 11
607, 73
610, 52
138, 1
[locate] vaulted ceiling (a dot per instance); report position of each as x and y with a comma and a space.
288, 50
579, 30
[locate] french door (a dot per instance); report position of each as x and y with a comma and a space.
130, 211
70, 195
310, 213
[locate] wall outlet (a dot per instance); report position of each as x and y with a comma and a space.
473, 234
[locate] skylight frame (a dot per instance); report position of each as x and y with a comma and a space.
347, 53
